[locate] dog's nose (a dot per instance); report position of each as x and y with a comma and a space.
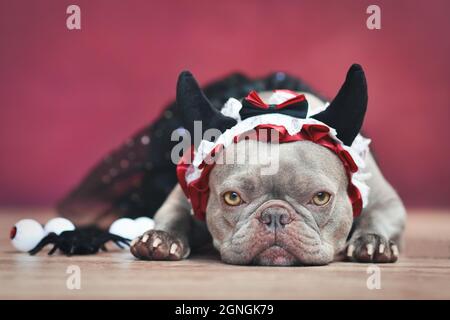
275, 217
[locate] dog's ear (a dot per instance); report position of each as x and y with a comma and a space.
194, 106
346, 112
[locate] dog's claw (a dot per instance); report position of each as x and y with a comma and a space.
134, 241
350, 250
145, 238
394, 249
173, 248
157, 242
369, 248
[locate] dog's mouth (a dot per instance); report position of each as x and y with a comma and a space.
275, 256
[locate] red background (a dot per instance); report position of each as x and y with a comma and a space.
67, 97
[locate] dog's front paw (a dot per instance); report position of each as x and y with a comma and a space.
371, 248
159, 245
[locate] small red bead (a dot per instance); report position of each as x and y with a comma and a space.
12, 233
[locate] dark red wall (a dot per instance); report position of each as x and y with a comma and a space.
67, 97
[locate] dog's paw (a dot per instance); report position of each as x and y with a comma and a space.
371, 248
159, 245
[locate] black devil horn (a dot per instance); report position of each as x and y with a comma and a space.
346, 112
194, 106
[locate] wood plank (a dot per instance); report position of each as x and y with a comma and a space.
422, 272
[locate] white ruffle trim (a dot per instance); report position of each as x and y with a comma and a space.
359, 151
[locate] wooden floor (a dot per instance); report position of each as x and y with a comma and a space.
423, 271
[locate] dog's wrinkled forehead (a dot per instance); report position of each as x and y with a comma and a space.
301, 166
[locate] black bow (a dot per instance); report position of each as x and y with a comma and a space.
296, 107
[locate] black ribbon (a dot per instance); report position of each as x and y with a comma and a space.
297, 109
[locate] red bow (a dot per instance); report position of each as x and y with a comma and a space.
254, 98
253, 105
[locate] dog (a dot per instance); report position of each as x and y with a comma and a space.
327, 199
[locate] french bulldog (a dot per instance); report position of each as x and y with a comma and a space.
301, 215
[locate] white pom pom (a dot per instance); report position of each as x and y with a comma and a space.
124, 227
144, 224
58, 225
26, 234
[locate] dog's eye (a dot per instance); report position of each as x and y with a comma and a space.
321, 198
232, 198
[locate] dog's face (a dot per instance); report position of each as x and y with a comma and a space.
300, 214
